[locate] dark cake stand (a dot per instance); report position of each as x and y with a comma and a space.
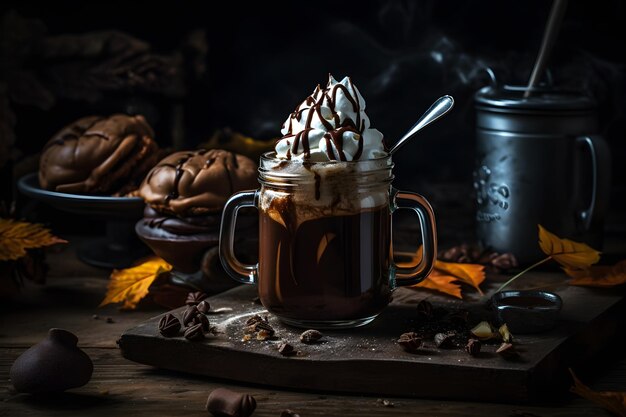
120, 247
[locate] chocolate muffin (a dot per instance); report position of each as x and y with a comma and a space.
185, 194
98, 155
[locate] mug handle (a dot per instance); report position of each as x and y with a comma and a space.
600, 186
244, 273
415, 274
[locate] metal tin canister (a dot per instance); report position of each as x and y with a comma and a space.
539, 160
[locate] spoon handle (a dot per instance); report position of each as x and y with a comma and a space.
438, 109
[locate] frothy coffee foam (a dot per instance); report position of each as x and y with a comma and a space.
324, 189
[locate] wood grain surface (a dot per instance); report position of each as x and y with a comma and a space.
367, 360
122, 387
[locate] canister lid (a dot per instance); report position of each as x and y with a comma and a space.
512, 97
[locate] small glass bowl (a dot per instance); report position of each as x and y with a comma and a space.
526, 311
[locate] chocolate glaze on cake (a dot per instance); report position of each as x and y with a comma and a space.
185, 194
98, 155
193, 183
180, 241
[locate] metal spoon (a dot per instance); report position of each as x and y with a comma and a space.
438, 109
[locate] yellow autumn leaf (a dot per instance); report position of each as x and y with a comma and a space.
570, 254
130, 285
599, 276
17, 236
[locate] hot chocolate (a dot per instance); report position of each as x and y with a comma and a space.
330, 267
325, 204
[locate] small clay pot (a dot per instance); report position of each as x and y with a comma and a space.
53, 365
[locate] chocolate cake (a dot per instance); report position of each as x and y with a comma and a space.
197, 182
185, 194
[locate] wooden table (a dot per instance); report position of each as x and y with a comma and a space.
120, 387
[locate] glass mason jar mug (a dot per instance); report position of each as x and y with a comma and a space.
325, 244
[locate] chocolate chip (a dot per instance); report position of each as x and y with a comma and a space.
223, 402
289, 413
194, 298
410, 341
204, 307
53, 365
504, 261
445, 340
194, 332
110, 320
257, 327
204, 321
169, 326
256, 319
310, 336
473, 347
286, 349
189, 315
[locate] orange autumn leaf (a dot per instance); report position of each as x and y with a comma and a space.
570, 254
613, 401
599, 276
437, 281
471, 274
445, 275
17, 236
130, 285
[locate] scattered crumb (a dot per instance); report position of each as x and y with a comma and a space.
383, 402
95, 317
263, 335
110, 320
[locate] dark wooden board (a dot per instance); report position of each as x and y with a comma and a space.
368, 361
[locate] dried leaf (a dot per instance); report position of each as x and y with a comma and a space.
471, 274
599, 276
570, 254
17, 236
445, 275
439, 282
130, 285
613, 401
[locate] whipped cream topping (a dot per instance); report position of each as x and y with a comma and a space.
330, 125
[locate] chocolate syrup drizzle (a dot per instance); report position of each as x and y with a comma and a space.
175, 192
334, 135
179, 171
75, 133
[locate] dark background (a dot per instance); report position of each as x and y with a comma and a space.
246, 66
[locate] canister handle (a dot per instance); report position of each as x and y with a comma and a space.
547, 75
600, 180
